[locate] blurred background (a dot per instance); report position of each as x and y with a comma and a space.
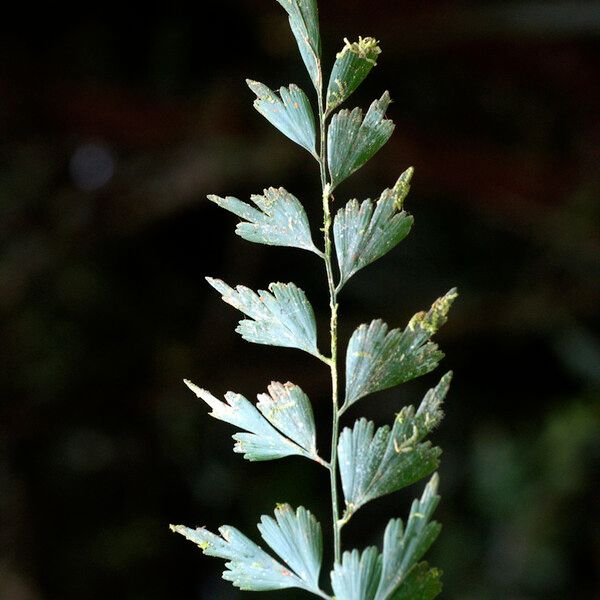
116, 122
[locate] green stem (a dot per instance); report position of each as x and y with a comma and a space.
333, 305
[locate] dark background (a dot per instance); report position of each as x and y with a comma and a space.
117, 119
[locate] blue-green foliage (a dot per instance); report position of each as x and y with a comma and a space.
282, 426
372, 461
352, 65
278, 220
281, 316
376, 463
378, 359
364, 232
353, 140
373, 576
295, 536
290, 112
